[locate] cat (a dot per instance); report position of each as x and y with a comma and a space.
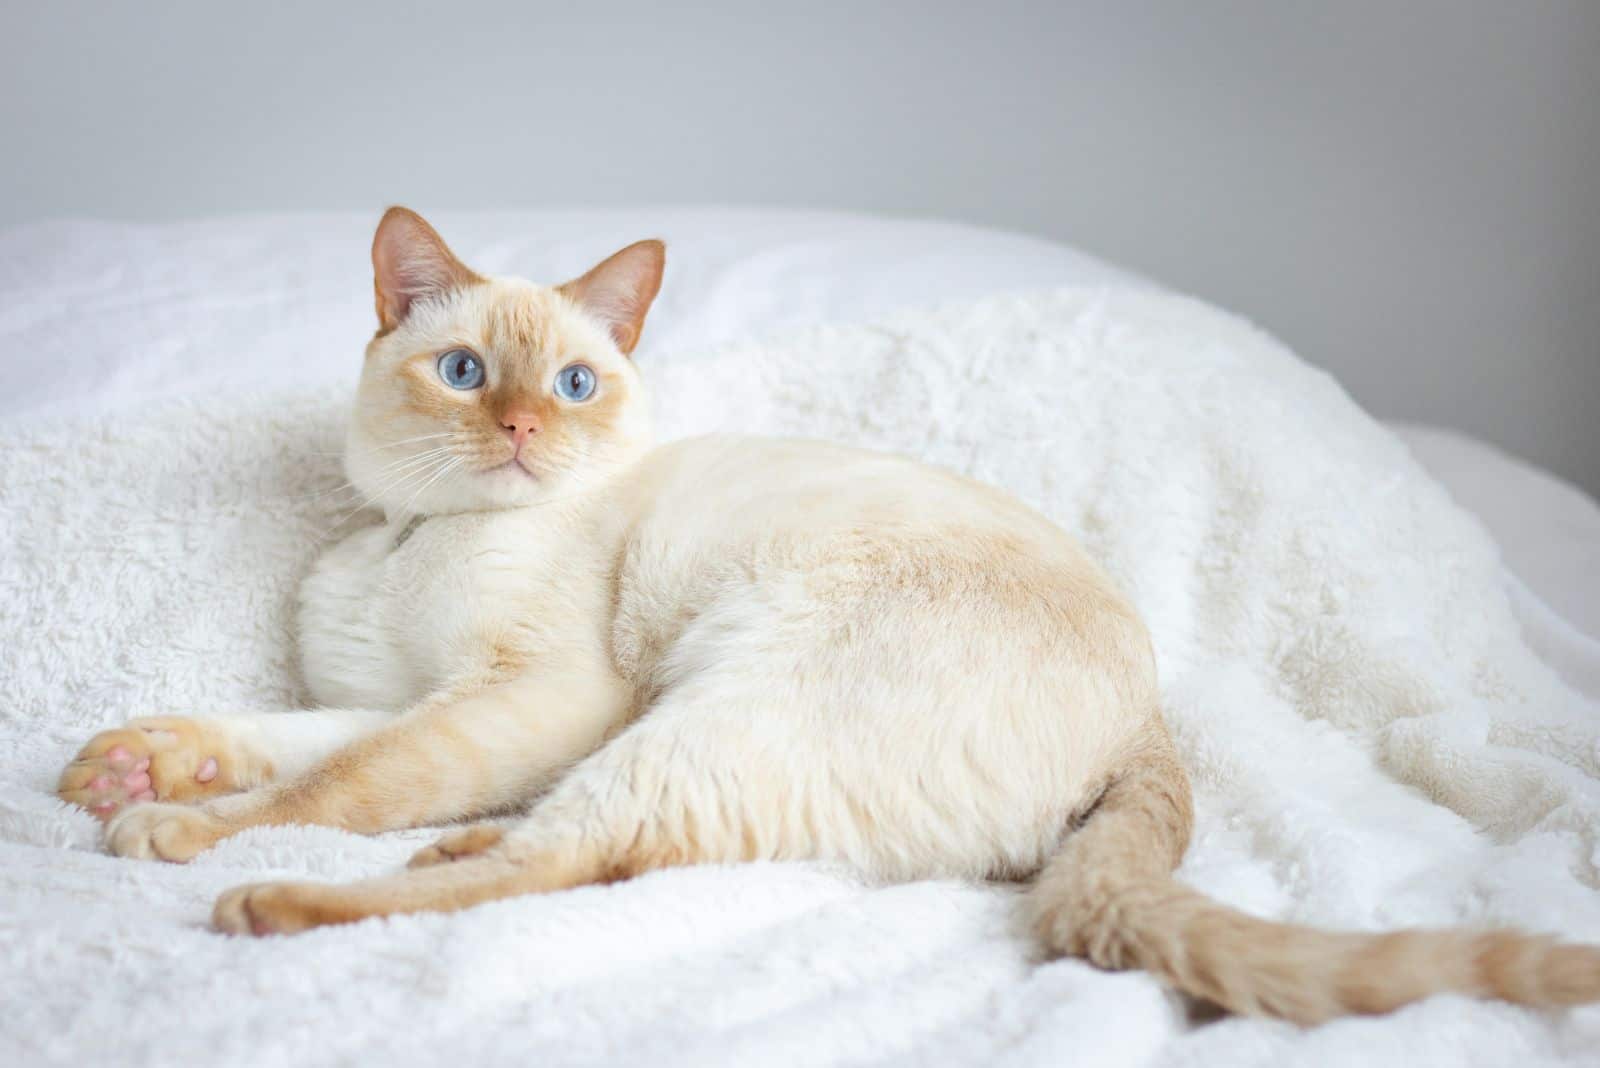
722, 649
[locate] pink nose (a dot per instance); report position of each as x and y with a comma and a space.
520, 425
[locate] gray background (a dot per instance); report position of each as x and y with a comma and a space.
1408, 193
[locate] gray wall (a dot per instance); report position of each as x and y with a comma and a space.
1409, 193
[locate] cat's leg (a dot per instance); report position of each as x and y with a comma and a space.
724, 771
287, 908
459, 845
444, 760
191, 758
661, 794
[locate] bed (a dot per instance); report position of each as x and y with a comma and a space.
103, 321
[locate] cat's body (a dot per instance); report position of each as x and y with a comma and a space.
816, 622
723, 649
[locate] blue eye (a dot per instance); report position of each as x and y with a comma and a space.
575, 382
460, 369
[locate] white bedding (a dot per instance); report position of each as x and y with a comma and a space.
762, 964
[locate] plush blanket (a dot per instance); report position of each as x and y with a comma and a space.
1372, 742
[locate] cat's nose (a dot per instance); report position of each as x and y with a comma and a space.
520, 425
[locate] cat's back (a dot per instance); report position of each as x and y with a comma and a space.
725, 489
732, 525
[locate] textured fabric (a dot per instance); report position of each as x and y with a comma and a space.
1373, 743
1548, 530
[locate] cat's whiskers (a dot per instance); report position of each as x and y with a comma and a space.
405, 509
408, 461
414, 473
382, 472
390, 445
419, 437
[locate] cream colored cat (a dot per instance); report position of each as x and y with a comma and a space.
719, 650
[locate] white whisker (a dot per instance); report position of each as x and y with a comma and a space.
415, 473
405, 509
420, 437
401, 465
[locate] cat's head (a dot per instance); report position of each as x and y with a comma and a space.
484, 392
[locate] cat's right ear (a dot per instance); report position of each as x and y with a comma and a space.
410, 262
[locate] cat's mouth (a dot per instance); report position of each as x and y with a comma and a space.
512, 466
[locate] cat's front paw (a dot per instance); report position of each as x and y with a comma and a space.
163, 832
164, 758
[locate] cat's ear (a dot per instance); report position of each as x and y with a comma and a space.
410, 262
618, 291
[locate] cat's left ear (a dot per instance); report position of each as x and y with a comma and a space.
619, 290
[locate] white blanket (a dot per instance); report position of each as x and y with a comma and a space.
1372, 742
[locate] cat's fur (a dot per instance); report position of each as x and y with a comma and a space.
723, 649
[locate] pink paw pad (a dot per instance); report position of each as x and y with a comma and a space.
123, 781
124, 772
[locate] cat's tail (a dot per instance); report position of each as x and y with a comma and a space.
1109, 896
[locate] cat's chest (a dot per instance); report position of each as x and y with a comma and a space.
391, 613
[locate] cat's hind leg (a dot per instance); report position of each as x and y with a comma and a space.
642, 802
459, 845
185, 759
498, 872
729, 769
